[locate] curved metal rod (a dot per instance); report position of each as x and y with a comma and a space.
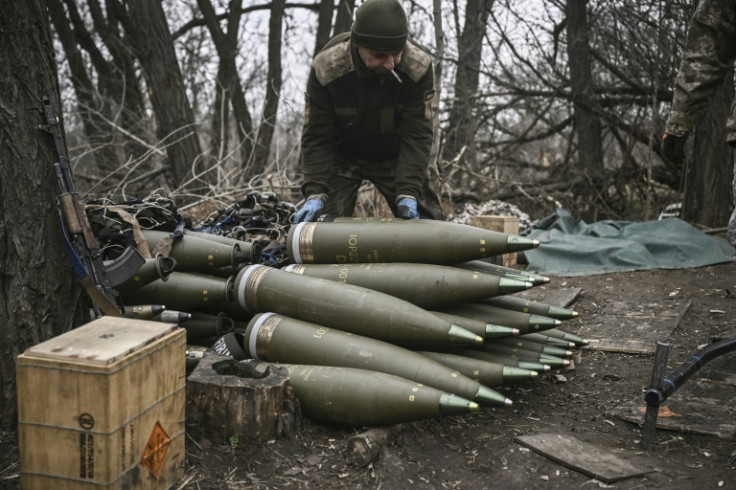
678, 377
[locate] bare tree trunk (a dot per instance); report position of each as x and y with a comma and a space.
39, 295
344, 19
435, 178
324, 25
90, 106
463, 114
587, 123
264, 135
116, 101
708, 199
220, 144
150, 39
228, 88
122, 81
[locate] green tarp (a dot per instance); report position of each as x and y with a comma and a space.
575, 248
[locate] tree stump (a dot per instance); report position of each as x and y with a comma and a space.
231, 401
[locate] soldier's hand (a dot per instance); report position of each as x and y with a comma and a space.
407, 207
674, 146
309, 210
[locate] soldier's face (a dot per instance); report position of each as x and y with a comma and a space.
378, 61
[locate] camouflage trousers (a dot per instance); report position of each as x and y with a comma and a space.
349, 174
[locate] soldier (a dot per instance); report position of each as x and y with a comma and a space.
710, 51
368, 117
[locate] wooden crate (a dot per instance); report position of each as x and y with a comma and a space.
504, 224
102, 406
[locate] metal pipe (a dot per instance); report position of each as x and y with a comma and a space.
662, 388
652, 397
693, 365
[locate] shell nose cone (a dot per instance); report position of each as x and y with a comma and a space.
516, 243
460, 335
506, 285
453, 404
488, 397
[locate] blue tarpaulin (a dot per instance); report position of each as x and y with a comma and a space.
575, 248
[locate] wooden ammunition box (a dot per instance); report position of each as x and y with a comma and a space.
102, 406
503, 224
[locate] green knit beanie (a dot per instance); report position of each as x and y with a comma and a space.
380, 25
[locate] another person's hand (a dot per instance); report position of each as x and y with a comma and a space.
674, 146
407, 207
309, 210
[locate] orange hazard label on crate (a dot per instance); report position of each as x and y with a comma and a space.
155, 452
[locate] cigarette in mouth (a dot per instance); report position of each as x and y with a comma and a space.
396, 76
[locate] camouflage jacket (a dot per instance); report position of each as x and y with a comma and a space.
368, 117
710, 50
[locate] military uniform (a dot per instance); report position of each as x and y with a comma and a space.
361, 125
710, 51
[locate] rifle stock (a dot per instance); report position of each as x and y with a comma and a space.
96, 278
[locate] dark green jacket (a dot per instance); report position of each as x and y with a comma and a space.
368, 117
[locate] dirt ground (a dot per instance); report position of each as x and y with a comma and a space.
478, 450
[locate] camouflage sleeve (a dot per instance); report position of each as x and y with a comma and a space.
710, 50
317, 143
416, 137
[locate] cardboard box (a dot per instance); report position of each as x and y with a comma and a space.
102, 406
503, 224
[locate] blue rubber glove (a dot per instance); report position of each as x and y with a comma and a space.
408, 208
309, 210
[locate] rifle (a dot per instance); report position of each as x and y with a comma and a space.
96, 277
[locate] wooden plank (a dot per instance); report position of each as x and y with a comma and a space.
723, 336
583, 457
634, 327
647, 308
721, 369
102, 341
622, 346
703, 416
555, 297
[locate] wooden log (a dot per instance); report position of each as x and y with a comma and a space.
363, 448
228, 402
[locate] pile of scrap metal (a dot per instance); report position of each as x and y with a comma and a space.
259, 218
